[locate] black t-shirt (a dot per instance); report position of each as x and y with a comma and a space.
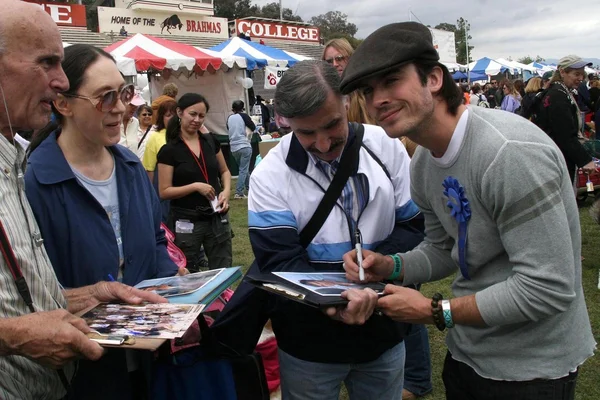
187, 171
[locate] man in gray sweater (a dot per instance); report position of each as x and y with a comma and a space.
500, 216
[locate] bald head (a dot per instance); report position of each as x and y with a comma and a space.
31, 74
19, 20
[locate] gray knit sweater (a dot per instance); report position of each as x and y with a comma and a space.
523, 252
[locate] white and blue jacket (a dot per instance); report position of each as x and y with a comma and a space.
285, 190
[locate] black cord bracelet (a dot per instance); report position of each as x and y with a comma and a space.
436, 311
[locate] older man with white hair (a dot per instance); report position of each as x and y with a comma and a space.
39, 336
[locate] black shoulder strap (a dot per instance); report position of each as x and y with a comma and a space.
347, 162
144, 137
374, 157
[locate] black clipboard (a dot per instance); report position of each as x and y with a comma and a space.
281, 287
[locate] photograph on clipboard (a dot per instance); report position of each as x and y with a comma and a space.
156, 321
179, 285
327, 283
200, 287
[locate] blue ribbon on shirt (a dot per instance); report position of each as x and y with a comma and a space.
461, 211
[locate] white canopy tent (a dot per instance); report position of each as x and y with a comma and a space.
191, 69
125, 65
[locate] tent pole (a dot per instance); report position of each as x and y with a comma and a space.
149, 87
467, 44
246, 98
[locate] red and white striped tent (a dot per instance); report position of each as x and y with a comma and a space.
156, 54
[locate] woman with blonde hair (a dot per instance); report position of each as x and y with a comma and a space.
337, 52
533, 88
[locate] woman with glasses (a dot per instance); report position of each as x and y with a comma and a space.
192, 173
144, 115
96, 209
337, 52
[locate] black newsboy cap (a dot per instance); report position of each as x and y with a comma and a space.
387, 49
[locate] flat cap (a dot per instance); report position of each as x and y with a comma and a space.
386, 49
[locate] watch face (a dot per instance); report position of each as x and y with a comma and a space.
180, 6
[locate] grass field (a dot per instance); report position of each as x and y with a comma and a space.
588, 386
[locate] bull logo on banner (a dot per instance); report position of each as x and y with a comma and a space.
272, 76
171, 23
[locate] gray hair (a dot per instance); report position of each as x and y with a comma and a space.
305, 87
2, 40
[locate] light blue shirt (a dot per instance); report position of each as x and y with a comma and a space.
107, 194
236, 128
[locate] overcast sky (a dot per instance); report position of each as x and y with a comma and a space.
512, 28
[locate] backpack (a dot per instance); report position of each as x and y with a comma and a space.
535, 109
483, 101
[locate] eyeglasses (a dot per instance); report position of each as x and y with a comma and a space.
146, 115
108, 101
337, 59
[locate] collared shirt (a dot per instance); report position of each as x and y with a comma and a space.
21, 378
355, 194
129, 137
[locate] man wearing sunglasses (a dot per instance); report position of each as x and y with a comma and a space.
37, 340
131, 125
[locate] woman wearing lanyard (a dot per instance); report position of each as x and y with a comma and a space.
192, 173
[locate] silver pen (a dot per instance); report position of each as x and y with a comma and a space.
359, 256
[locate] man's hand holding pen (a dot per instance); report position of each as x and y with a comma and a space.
377, 267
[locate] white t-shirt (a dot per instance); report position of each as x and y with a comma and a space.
454, 146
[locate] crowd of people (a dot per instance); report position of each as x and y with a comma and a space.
563, 103
433, 187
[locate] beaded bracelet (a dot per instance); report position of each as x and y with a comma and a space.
436, 311
397, 267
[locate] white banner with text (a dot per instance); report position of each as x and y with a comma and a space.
160, 23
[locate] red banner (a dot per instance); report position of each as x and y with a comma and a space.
274, 30
64, 14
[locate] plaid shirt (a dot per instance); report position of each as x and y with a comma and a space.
355, 194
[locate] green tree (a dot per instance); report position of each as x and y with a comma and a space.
271, 10
460, 38
529, 59
525, 60
233, 9
444, 26
334, 24
91, 12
